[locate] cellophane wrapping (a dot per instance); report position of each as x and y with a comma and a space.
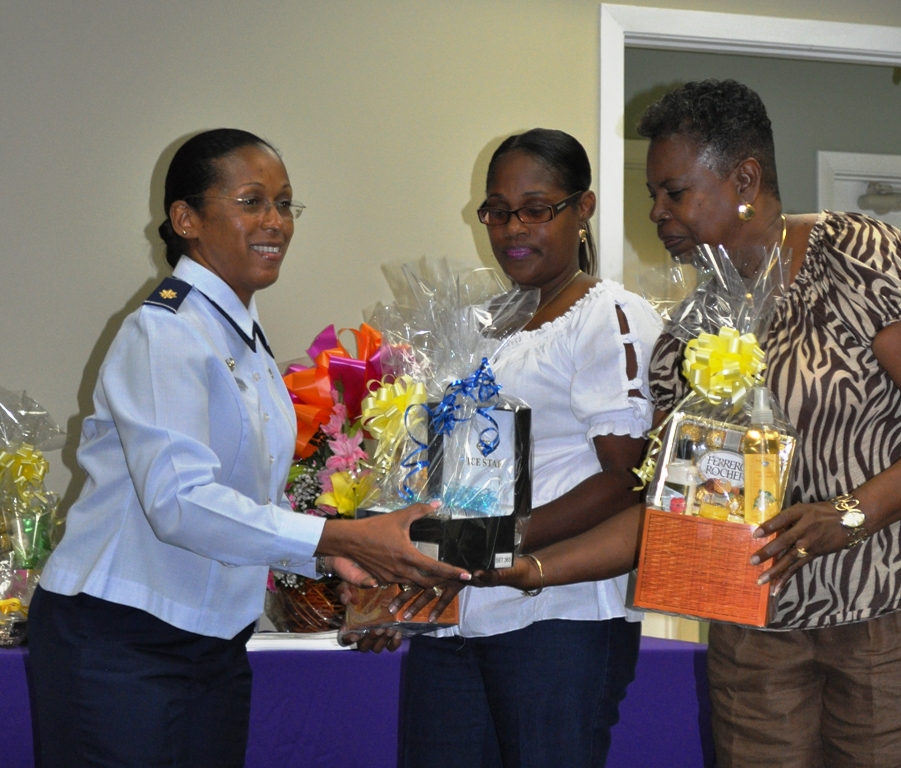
696, 541
443, 428
729, 303
28, 511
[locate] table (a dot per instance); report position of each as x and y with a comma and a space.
317, 708
324, 709
665, 718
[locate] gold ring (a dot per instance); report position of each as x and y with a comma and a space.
801, 553
438, 591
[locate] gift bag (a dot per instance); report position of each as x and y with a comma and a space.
443, 427
28, 511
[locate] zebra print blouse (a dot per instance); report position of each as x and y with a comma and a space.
822, 370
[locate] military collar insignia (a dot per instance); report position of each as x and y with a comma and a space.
170, 293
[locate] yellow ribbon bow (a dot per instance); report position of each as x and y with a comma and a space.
13, 605
723, 367
384, 412
26, 467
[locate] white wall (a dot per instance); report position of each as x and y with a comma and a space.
386, 113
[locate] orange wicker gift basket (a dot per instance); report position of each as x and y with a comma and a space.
695, 551
692, 566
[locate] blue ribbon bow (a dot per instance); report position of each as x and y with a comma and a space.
480, 387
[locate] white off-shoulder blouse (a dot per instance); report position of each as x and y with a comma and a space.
572, 373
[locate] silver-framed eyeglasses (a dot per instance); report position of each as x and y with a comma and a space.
528, 214
255, 206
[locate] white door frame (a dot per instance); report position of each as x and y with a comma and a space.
666, 28
834, 168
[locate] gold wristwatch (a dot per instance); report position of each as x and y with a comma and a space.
852, 519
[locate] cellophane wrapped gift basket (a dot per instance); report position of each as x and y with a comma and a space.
444, 430
28, 510
721, 463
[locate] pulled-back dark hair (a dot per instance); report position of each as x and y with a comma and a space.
722, 115
194, 170
566, 158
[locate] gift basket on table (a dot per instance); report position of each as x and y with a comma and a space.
28, 511
443, 428
720, 464
329, 476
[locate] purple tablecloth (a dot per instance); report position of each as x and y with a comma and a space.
665, 718
324, 709
341, 709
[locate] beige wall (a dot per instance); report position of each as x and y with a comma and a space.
385, 112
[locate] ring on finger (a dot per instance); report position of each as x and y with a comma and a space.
801, 553
438, 591
406, 587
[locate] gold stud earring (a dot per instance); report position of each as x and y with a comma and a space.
184, 232
746, 211
583, 235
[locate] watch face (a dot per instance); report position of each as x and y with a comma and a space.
853, 519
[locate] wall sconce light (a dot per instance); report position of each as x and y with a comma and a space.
880, 198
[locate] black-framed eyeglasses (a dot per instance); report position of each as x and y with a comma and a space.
528, 214
255, 206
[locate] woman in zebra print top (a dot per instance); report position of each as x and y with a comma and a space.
821, 685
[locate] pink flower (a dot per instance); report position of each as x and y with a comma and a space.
346, 453
336, 421
324, 476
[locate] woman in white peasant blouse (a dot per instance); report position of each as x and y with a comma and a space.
535, 680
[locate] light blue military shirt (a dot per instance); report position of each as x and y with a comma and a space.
186, 456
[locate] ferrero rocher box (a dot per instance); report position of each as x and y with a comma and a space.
695, 550
368, 609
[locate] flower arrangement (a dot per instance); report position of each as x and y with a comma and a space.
330, 475
333, 480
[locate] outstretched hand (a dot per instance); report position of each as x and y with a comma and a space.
350, 572
381, 546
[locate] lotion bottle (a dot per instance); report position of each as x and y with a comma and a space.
760, 448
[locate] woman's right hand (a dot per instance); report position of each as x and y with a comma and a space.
441, 595
381, 546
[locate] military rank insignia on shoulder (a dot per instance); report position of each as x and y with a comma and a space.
169, 294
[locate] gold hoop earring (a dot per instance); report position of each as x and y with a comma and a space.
746, 211
583, 235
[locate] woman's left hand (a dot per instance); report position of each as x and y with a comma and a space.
805, 531
373, 640
522, 575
